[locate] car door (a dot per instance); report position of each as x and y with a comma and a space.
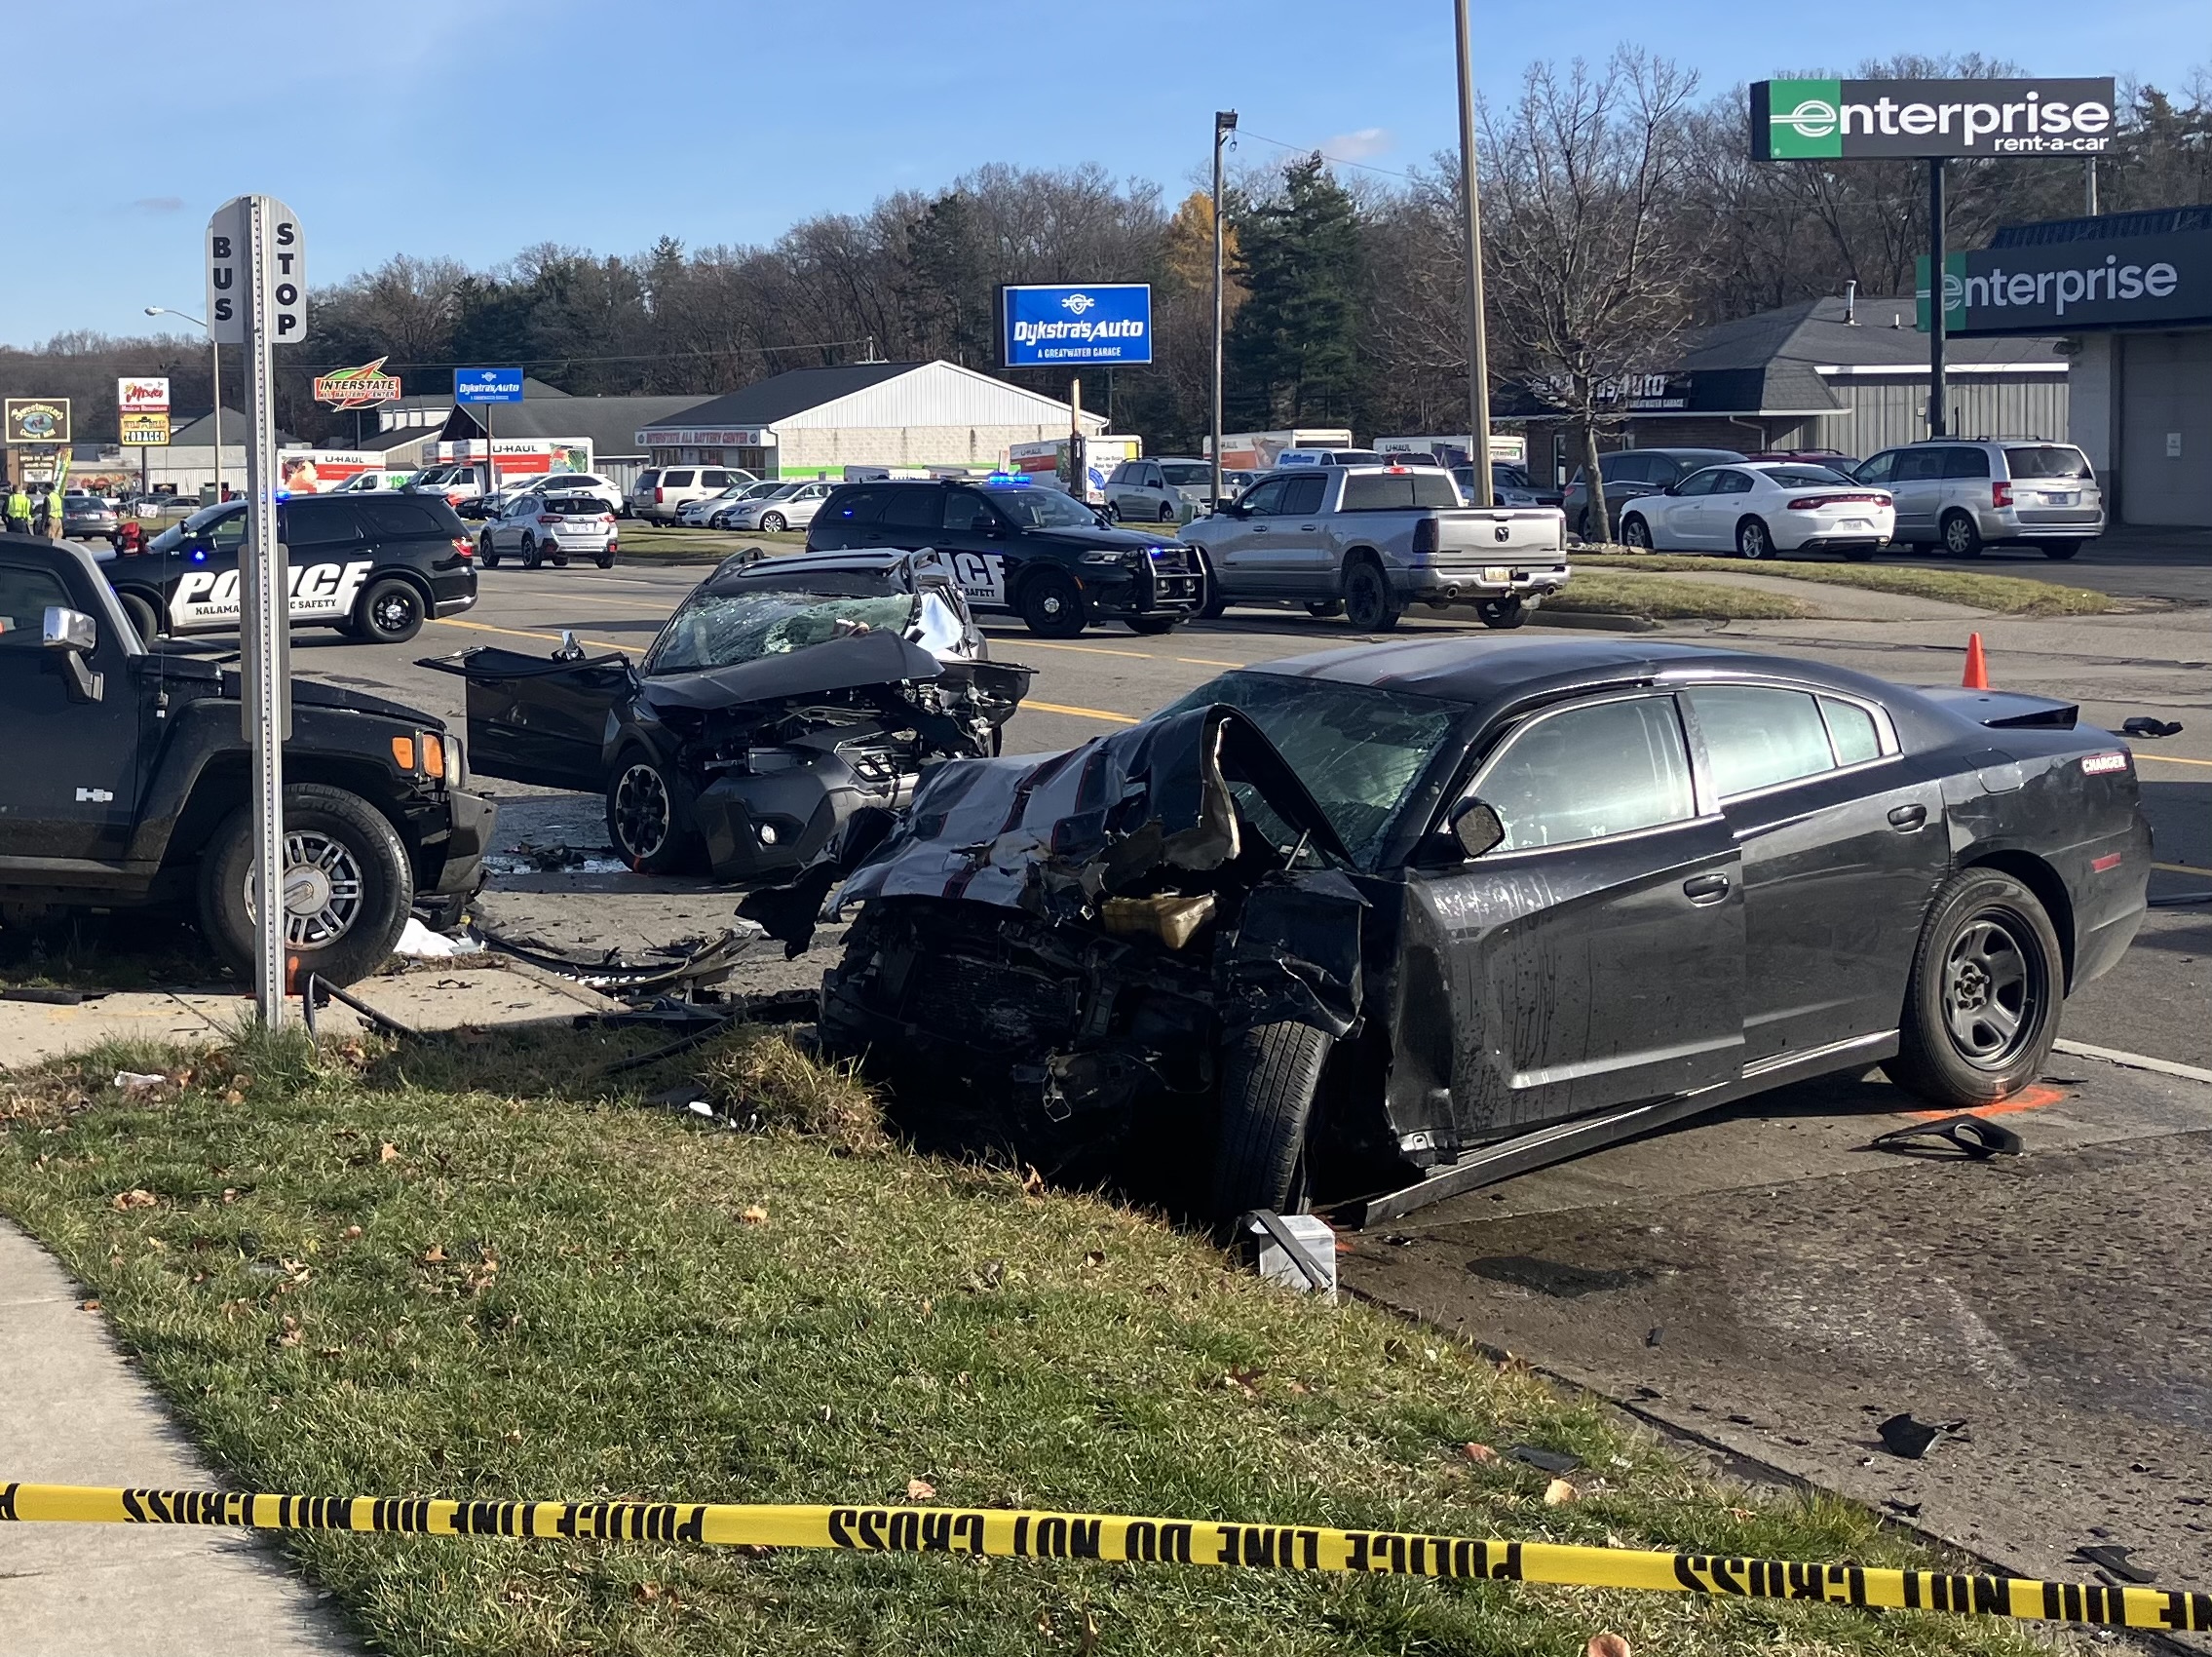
1303, 556
1681, 519
72, 765
974, 540
538, 720
1917, 487
1842, 842
1595, 956
1242, 551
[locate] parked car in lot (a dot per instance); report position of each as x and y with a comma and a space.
661, 491
781, 697
86, 517
1631, 472
1023, 547
589, 484
1964, 496
125, 783
1509, 486
551, 528
727, 503
1366, 541
372, 566
1762, 509
1834, 459
1447, 910
793, 506
699, 513
1161, 490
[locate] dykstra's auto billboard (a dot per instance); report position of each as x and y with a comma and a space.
1863, 119
1067, 324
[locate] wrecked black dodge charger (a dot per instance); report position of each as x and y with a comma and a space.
783, 696
1411, 917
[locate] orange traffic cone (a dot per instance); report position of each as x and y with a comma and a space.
1977, 666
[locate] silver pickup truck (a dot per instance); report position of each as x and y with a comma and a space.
1366, 541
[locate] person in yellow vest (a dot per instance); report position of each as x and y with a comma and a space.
18, 511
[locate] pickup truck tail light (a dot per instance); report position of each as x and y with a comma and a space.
1424, 539
2000, 494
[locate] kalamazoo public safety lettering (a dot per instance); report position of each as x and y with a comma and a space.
315, 589
1004, 1533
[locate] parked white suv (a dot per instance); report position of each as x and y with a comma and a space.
1959, 496
1167, 490
661, 491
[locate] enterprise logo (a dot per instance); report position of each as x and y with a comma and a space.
1815, 118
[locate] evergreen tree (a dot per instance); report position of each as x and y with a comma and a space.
1294, 351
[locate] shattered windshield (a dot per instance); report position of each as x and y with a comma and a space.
722, 629
1359, 750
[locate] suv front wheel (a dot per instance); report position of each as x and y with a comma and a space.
348, 886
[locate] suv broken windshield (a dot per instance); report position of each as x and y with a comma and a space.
719, 630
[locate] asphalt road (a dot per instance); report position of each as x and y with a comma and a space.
1762, 1279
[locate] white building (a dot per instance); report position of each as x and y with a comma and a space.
815, 422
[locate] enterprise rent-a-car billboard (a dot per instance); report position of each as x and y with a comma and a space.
1862, 120
1064, 326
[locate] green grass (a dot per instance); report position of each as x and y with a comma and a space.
457, 1268
651, 543
1607, 592
2005, 595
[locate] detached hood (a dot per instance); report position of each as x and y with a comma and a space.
838, 663
1058, 833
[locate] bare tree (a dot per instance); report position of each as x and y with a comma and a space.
1593, 266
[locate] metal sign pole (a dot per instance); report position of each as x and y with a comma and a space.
1477, 344
256, 298
264, 630
1938, 416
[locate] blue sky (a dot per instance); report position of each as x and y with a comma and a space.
608, 126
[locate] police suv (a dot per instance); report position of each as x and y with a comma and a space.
1014, 545
375, 566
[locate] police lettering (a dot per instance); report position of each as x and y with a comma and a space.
315, 589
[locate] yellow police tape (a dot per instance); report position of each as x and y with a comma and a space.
1004, 1533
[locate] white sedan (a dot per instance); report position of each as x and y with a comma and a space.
1760, 509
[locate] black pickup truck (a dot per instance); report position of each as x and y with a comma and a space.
125, 782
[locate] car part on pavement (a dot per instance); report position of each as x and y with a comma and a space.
1978, 1138
708, 962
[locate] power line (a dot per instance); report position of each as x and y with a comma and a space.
1332, 160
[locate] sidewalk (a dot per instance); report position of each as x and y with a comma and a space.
73, 1410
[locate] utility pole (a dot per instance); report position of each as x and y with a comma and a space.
2090, 186
1224, 124
1477, 344
1938, 420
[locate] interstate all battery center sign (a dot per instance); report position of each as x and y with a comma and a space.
1060, 324
1876, 120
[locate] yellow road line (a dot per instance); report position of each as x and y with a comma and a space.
2180, 868
1132, 655
1035, 707
2142, 758
512, 633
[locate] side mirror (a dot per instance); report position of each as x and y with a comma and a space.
75, 636
1671, 489
1476, 828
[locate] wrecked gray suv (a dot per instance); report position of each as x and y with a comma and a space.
1446, 910
783, 696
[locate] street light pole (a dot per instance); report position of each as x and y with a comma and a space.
1224, 124
1477, 343
216, 374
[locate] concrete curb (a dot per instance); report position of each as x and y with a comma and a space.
1594, 620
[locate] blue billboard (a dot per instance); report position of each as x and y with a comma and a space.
487, 385
1064, 326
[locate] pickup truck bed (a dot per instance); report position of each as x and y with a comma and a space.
1375, 539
